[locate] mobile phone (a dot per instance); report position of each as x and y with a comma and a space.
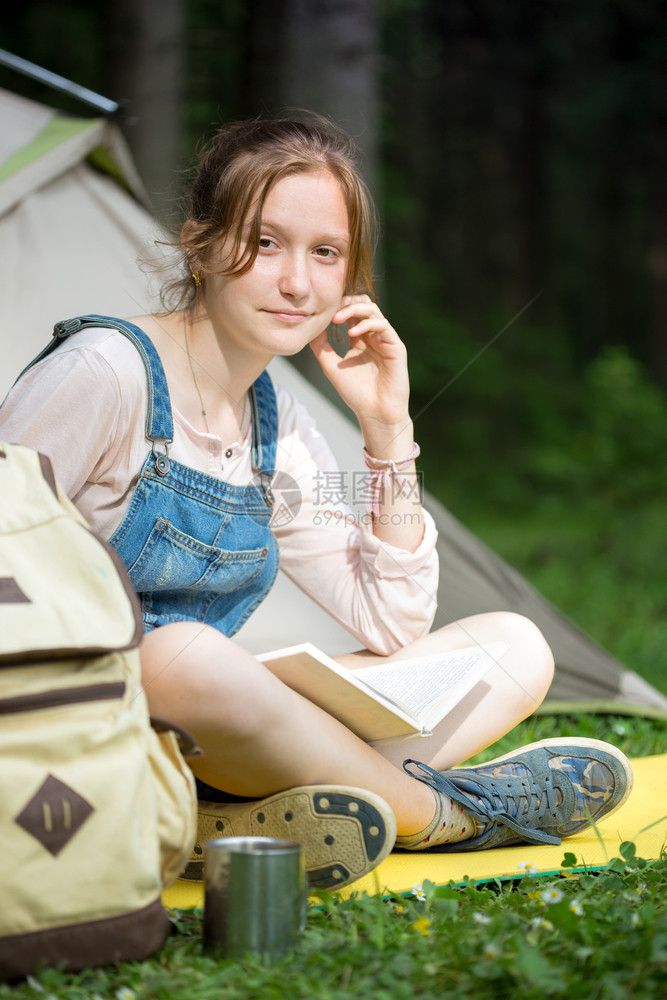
338, 338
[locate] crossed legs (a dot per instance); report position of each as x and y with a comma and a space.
259, 737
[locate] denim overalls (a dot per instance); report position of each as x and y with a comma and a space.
196, 548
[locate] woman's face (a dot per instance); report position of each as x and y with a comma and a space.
298, 279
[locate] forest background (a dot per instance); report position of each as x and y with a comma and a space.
517, 151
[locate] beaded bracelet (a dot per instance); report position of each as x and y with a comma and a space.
381, 471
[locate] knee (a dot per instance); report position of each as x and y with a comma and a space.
533, 655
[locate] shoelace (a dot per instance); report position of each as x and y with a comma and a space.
496, 800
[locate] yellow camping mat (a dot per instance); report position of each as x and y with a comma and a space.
643, 820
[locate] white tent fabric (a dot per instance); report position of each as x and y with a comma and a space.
70, 238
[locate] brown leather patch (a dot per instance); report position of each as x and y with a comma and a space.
54, 814
11, 593
48, 473
127, 937
186, 741
59, 697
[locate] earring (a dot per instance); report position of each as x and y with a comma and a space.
196, 277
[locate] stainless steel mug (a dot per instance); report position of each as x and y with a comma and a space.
255, 895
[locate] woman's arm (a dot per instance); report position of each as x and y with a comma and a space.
373, 381
384, 594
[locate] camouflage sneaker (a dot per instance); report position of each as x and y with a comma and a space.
346, 832
536, 795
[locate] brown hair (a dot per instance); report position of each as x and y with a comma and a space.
234, 175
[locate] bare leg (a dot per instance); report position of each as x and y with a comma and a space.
258, 736
509, 692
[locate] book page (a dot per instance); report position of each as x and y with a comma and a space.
432, 685
371, 714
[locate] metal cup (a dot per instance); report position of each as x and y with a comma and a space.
255, 896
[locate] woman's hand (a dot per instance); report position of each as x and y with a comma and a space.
372, 378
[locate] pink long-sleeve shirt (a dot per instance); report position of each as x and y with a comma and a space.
84, 406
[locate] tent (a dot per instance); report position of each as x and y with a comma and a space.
73, 219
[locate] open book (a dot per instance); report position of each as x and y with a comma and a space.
391, 702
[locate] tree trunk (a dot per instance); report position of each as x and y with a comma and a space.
319, 55
146, 62
656, 257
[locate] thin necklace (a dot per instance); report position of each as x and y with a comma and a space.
201, 401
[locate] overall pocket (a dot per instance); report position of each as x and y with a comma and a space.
170, 560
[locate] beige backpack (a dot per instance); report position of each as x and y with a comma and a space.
97, 807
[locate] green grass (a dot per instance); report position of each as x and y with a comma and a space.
590, 935
597, 936
605, 938
635, 736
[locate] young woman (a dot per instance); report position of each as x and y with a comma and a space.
167, 431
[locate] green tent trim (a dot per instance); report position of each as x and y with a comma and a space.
57, 131
102, 160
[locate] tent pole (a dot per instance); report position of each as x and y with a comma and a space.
103, 104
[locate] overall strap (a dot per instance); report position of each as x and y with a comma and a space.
159, 423
264, 411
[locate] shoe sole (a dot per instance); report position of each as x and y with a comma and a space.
583, 743
346, 832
